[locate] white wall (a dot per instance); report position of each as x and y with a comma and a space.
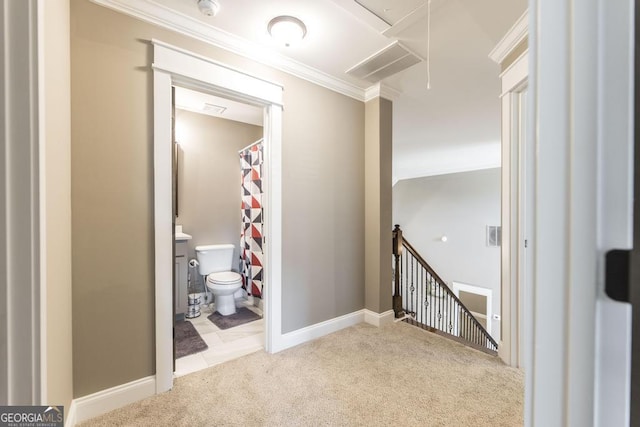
458, 206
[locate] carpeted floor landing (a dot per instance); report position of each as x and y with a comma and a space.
360, 376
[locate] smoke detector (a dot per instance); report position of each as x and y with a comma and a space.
208, 7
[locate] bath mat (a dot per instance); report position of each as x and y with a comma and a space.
240, 317
188, 341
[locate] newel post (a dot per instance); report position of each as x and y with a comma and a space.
397, 251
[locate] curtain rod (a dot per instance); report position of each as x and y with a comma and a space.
251, 145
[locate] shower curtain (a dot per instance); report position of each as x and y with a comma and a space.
251, 238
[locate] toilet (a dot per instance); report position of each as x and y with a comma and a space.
215, 263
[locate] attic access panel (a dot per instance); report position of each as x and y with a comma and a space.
386, 62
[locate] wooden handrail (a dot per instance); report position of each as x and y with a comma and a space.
400, 242
397, 250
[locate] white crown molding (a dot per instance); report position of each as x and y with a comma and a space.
157, 14
511, 40
381, 90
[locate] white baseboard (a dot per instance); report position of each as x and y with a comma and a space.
378, 319
93, 405
318, 330
71, 415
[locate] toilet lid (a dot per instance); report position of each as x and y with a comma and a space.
223, 277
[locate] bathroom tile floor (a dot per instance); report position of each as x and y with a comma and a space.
224, 345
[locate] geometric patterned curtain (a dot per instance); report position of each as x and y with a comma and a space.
251, 237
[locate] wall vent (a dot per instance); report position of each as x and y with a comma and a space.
384, 63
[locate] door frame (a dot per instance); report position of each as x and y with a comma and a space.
176, 66
23, 292
514, 80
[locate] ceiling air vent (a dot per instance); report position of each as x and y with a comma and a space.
384, 63
213, 108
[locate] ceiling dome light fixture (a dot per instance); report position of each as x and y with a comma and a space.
287, 30
208, 7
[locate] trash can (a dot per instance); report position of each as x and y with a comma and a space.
193, 307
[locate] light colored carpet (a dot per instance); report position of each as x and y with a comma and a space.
360, 376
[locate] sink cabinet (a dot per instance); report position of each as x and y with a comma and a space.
181, 272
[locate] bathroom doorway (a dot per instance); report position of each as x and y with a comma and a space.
174, 66
217, 200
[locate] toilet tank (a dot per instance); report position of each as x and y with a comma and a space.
214, 258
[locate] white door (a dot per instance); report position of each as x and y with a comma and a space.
634, 263
581, 89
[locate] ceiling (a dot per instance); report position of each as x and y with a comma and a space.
452, 126
203, 103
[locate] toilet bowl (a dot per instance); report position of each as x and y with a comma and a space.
223, 285
215, 263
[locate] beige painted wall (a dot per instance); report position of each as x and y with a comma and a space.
57, 206
378, 206
209, 193
112, 196
386, 204
323, 205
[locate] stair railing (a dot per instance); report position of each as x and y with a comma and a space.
424, 300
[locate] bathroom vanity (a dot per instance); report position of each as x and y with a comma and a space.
181, 272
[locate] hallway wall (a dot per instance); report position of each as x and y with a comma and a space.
112, 196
